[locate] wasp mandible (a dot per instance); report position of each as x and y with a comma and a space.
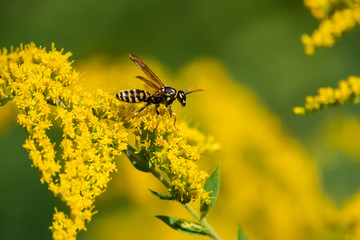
163, 94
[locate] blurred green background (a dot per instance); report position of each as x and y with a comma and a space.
258, 42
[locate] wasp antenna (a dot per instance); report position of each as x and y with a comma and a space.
189, 89
197, 90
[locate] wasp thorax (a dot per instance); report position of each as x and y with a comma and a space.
169, 91
181, 97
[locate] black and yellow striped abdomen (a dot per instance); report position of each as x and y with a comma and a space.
133, 96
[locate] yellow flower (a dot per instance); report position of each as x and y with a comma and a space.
334, 21
95, 127
35, 78
348, 91
173, 151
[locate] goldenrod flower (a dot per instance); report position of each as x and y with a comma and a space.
95, 127
36, 79
348, 91
336, 17
320, 9
175, 151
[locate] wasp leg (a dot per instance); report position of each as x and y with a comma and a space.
141, 109
156, 109
172, 114
170, 111
157, 124
137, 112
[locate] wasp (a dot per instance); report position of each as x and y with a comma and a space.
162, 94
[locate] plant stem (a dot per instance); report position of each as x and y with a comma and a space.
160, 177
203, 221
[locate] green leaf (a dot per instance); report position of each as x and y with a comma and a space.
241, 235
4, 99
212, 185
161, 196
184, 226
139, 161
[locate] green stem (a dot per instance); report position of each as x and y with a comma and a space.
203, 221
161, 178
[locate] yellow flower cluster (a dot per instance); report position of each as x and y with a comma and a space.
348, 91
174, 149
36, 79
95, 128
336, 16
91, 141
320, 9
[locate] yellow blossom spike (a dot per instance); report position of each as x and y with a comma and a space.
332, 26
320, 9
175, 151
93, 134
348, 91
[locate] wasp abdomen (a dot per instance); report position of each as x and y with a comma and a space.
133, 96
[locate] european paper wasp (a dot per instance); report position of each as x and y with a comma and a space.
163, 94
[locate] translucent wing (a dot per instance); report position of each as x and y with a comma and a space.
156, 81
148, 82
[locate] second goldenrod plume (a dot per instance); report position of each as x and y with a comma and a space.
336, 18
348, 91
162, 94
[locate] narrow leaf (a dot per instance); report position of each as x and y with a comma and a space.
137, 160
241, 235
184, 226
161, 196
212, 185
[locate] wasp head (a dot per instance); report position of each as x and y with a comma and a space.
181, 97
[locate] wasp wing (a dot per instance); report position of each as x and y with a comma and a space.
147, 71
148, 82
